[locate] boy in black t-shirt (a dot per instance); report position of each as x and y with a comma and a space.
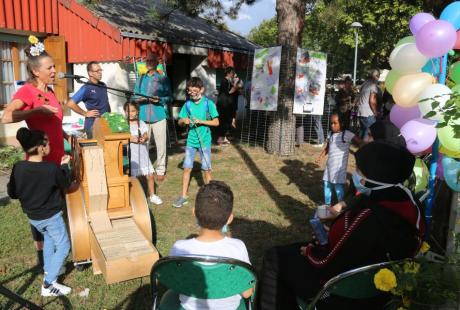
38, 185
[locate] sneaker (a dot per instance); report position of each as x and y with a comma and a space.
156, 200
55, 289
181, 201
318, 145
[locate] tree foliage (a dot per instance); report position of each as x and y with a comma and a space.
265, 34
327, 28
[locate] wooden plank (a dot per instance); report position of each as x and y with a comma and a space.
93, 158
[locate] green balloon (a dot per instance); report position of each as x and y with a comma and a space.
391, 79
454, 73
421, 175
447, 139
451, 53
456, 89
409, 39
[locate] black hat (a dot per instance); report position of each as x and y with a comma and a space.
387, 131
30, 138
385, 162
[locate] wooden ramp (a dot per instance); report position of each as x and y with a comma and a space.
123, 252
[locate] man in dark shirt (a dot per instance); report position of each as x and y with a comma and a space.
344, 99
94, 95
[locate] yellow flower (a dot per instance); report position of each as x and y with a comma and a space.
406, 301
411, 267
401, 308
425, 247
385, 280
33, 40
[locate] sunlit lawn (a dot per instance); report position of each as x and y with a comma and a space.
274, 197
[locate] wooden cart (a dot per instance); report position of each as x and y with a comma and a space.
109, 218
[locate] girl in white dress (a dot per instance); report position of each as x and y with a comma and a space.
140, 160
337, 150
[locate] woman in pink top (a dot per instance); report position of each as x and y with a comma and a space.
36, 104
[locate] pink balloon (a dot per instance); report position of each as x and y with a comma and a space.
419, 134
418, 21
436, 38
457, 43
400, 115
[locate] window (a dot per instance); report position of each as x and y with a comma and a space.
12, 68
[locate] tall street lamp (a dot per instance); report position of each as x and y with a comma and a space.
355, 26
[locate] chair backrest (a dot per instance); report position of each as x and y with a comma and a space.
357, 283
205, 277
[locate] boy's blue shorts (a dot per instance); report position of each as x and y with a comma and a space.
205, 156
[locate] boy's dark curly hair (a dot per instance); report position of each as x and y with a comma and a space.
214, 205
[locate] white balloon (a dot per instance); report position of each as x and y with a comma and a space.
406, 58
442, 94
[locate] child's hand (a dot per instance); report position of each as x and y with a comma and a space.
65, 160
134, 139
318, 160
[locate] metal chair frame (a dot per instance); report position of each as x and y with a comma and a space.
326, 287
200, 259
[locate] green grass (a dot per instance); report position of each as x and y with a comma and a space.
274, 197
9, 155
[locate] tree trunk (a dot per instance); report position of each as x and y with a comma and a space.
281, 131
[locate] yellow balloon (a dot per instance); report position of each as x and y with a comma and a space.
450, 153
391, 79
408, 88
447, 139
421, 175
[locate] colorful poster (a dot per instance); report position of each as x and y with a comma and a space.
265, 78
310, 82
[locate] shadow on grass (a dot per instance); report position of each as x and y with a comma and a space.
61, 302
306, 177
140, 299
260, 235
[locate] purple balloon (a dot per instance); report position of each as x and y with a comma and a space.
418, 21
400, 115
419, 134
439, 167
436, 38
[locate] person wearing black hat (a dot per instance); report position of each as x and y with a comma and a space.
382, 223
383, 130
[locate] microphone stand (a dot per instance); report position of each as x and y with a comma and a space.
128, 94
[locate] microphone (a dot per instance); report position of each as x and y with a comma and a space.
62, 75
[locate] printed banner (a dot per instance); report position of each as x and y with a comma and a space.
310, 82
265, 78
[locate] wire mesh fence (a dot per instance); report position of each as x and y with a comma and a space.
254, 126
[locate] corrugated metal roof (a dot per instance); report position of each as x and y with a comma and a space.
29, 15
132, 18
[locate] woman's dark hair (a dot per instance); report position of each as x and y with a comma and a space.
30, 140
33, 62
229, 70
213, 205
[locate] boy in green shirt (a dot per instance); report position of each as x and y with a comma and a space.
199, 113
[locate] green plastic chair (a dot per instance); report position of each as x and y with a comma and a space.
204, 277
357, 283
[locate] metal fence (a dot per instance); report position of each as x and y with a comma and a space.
254, 124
